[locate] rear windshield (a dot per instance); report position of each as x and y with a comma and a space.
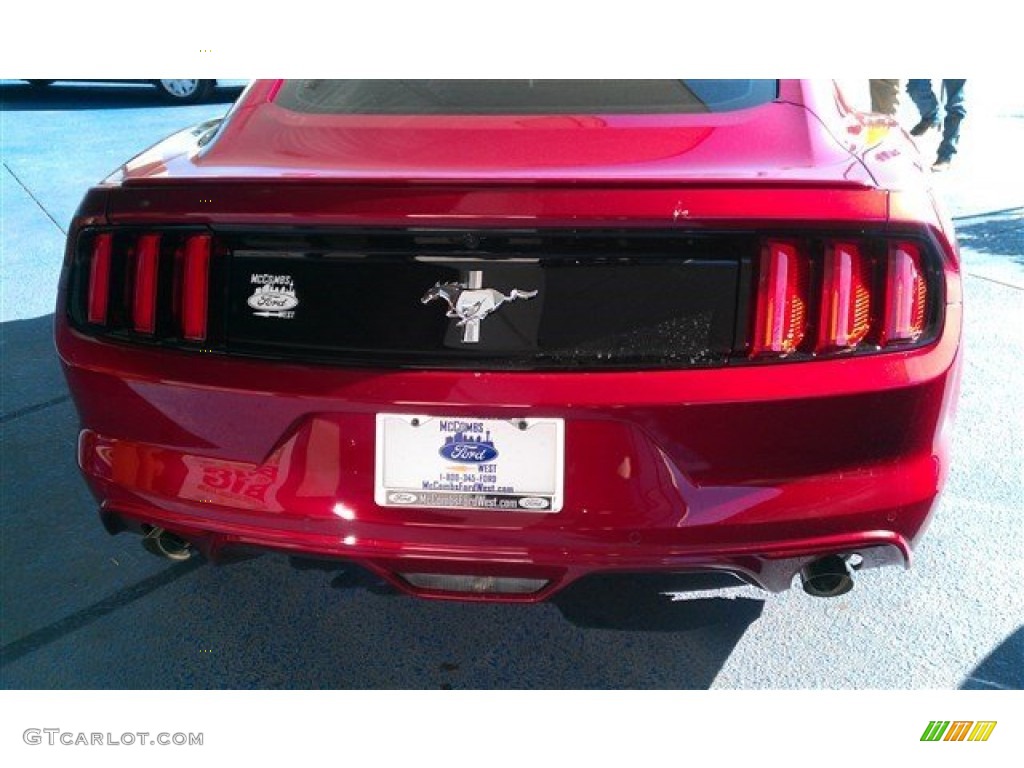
522, 97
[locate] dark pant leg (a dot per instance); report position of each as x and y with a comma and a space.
955, 113
920, 92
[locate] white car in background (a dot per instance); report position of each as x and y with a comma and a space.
175, 91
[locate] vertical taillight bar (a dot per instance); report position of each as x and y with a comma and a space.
99, 279
780, 321
906, 294
845, 318
195, 291
147, 262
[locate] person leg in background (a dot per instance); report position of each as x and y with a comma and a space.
920, 92
885, 96
953, 91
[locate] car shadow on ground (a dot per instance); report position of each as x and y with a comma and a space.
22, 96
1000, 234
84, 610
656, 603
1001, 669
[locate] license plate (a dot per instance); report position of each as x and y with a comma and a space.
500, 465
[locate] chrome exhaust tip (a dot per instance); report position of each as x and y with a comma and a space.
827, 577
165, 544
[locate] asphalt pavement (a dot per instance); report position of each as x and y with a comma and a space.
81, 609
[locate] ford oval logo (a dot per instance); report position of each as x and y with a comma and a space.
533, 502
402, 498
278, 301
475, 453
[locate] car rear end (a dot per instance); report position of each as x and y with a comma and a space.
675, 350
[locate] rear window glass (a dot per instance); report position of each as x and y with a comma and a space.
522, 97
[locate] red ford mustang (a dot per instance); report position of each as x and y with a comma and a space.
486, 338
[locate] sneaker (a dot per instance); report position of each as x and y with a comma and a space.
924, 126
941, 164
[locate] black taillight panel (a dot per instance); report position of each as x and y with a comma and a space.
615, 299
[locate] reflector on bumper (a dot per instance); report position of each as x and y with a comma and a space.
504, 585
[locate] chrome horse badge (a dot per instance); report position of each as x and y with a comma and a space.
471, 302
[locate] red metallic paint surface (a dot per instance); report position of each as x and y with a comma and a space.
751, 469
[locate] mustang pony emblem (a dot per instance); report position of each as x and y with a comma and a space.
472, 303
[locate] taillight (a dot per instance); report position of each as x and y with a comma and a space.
195, 292
845, 318
147, 262
780, 322
99, 279
829, 296
906, 294
147, 285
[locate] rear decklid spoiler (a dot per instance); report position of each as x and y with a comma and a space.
469, 205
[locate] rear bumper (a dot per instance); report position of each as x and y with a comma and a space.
769, 565
753, 470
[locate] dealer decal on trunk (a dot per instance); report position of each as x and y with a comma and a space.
274, 296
